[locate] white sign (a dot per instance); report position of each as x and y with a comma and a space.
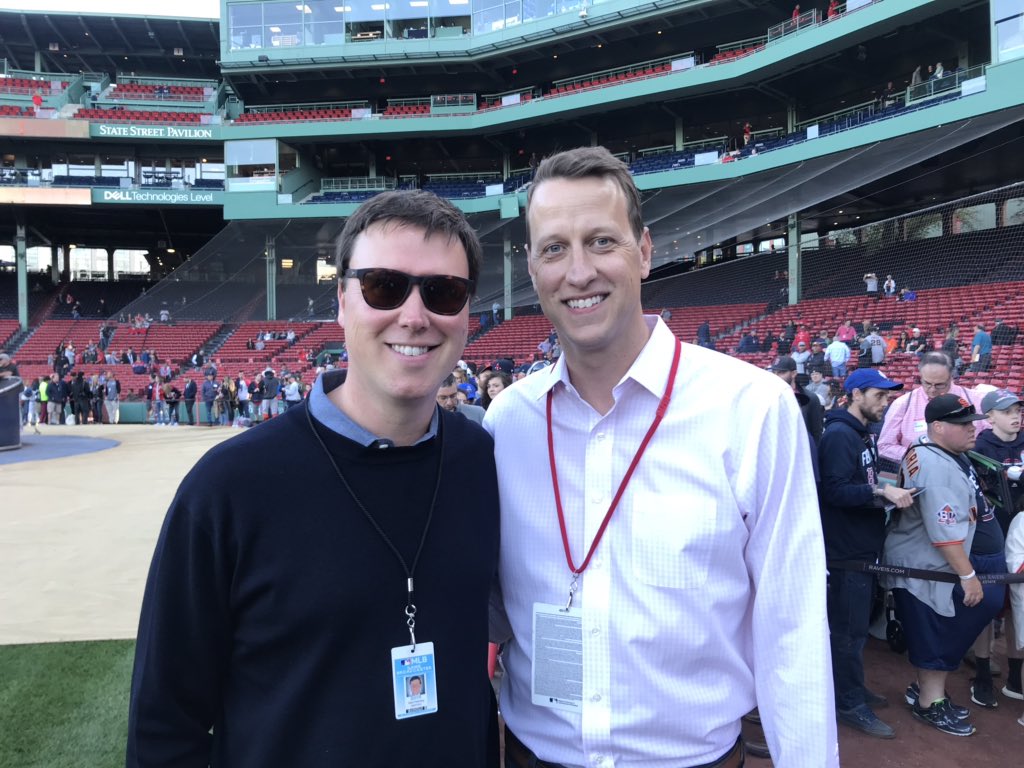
156, 132
155, 196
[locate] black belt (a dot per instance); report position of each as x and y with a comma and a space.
518, 755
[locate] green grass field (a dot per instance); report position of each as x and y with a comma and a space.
64, 705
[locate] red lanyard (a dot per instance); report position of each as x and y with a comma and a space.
666, 398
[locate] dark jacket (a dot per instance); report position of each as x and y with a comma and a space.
190, 391
1010, 454
853, 524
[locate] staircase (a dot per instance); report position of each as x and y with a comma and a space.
217, 340
17, 340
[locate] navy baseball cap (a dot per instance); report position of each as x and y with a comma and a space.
869, 378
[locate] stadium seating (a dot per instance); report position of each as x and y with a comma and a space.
139, 116
295, 115
407, 110
28, 86
152, 92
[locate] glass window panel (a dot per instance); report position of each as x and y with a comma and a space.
1010, 39
975, 218
252, 152
1013, 212
282, 24
1002, 9
245, 26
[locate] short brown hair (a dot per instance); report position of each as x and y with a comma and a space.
590, 163
412, 208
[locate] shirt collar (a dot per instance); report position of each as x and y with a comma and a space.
336, 420
649, 370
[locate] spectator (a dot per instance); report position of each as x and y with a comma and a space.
7, 367
981, 349
951, 348
846, 333
748, 344
904, 421
817, 358
704, 334
917, 344
941, 619
833, 9
889, 286
1003, 335
29, 406
871, 282
838, 354
800, 357
854, 529
818, 386
872, 348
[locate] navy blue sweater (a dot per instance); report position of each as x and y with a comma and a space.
272, 605
854, 526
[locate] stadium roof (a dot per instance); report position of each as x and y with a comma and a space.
95, 42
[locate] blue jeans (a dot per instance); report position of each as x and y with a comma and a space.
849, 612
839, 369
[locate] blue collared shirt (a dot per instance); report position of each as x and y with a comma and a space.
336, 420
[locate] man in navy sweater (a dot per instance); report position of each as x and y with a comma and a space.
853, 522
284, 620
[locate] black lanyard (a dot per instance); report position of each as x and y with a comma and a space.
410, 608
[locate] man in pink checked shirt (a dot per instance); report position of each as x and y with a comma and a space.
904, 421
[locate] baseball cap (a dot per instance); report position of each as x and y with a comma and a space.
801, 343
468, 389
504, 365
784, 363
869, 378
951, 409
999, 400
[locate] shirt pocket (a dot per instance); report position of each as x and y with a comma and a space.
674, 538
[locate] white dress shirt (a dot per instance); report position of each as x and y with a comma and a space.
706, 596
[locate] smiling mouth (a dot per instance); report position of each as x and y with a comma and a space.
409, 351
589, 301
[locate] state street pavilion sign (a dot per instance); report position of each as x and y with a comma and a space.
186, 132
158, 196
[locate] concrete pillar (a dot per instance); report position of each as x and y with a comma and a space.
54, 264
679, 138
506, 245
790, 118
65, 269
110, 262
506, 165
793, 237
21, 260
271, 256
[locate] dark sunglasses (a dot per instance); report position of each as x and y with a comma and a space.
389, 288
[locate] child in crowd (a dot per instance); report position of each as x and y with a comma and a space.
1005, 443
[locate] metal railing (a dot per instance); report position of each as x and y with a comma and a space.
940, 86
350, 183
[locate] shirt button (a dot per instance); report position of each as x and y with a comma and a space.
600, 436
596, 697
595, 631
